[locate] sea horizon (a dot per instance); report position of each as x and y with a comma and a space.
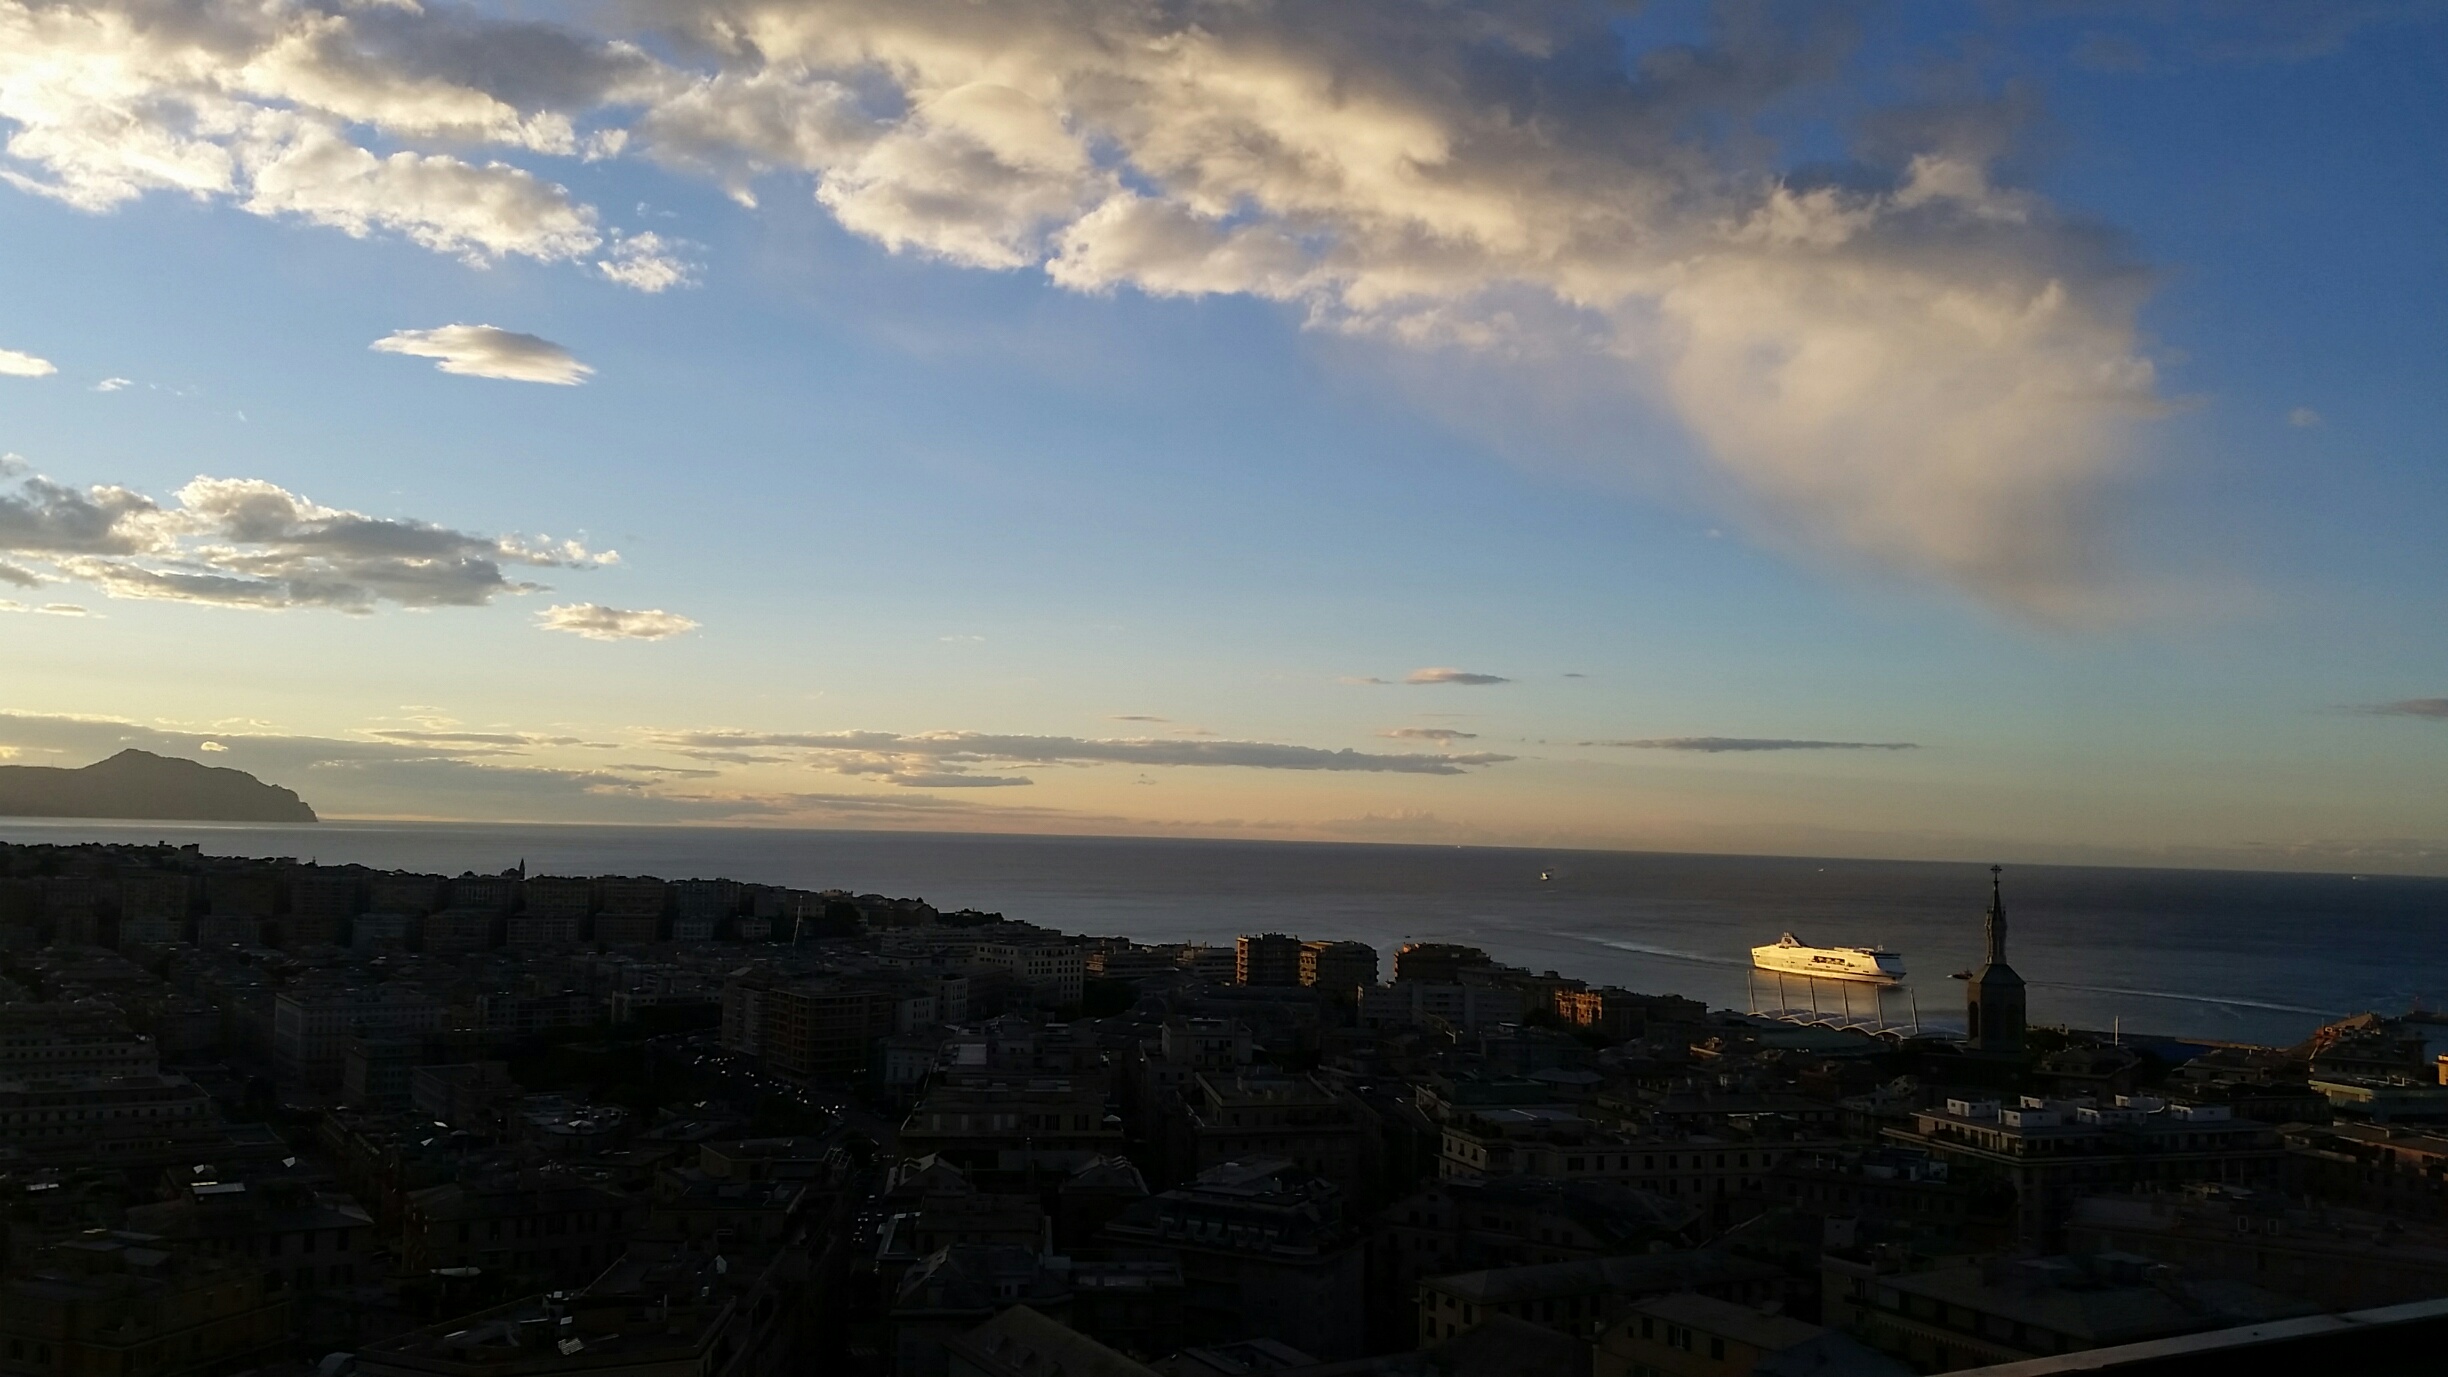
2378, 869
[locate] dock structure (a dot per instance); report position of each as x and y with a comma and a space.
1808, 1001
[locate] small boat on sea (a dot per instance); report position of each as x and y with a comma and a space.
1789, 955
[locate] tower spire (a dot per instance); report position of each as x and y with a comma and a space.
1997, 917
1993, 1003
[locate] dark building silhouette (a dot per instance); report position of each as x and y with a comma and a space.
1267, 959
1993, 1002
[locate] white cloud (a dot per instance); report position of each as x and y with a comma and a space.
488, 351
243, 542
2303, 418
477, 212
1912, 365
14, 364
1452, 676
974, 174
114, 385
279, 108
599, 623
1903, 362
646, 262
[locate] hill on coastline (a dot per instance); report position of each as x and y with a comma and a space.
140, 784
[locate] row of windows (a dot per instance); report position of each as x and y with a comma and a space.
525, 1226
1680, 1336
950, 1123
345, 1274
66, 1116
1622, 1161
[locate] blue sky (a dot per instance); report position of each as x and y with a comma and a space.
2059, 395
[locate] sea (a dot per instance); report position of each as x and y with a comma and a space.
2199, 955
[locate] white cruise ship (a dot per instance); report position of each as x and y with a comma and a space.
1788, 956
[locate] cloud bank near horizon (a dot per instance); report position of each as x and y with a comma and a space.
438, 767
2435, 709
954, 759
1440, 734
1898, 360
1717, 745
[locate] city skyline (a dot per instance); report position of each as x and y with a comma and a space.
1913, 432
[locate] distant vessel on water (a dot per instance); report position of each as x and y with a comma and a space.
1789, 955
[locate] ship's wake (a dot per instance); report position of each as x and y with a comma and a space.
1670, 953
2228, 1001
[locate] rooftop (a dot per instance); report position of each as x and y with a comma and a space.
2105, 1298
1653, 1272
1747, 1324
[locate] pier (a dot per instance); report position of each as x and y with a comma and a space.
1805, 1000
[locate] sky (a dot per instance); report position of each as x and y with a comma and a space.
1924, 430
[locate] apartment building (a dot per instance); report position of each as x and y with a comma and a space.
2011, 1310
1619, 1013
305, 1242
674, 1314
458, 930
555, 1230
2342, 1259
1555, 1144
550, 896
401, 892
1437, 963
1263, 1248
1051, 1123
117, 1304
137, 1122
492, 893
70, 1039
381, 931
1580, 1298
2053, 1151
1052, 969
1342, 969
1300, 1120
530, 930
311, 1026
628, 929
1268, 958
821, 1027
2389, 1168
321, 902
1423, 1003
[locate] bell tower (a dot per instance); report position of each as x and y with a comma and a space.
1993, 1001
